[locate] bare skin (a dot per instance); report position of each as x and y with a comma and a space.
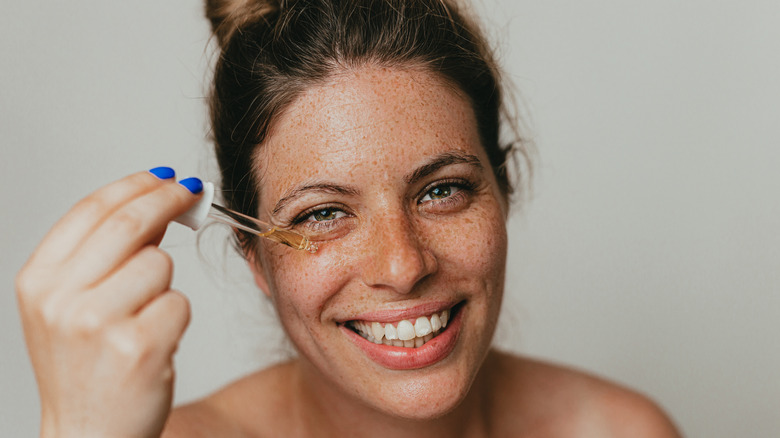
527, 398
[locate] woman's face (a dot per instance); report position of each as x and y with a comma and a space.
385, 168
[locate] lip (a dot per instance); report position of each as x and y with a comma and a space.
403, 358
411, 313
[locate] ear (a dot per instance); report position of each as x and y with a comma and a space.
258, 274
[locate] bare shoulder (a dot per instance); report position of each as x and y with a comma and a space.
547, 400
625, 413
261, 398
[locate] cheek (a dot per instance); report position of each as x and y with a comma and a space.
302, 283
473, 245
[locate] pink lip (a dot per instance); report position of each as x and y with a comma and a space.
402, 358
385, 316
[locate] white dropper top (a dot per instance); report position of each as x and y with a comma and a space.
196, 216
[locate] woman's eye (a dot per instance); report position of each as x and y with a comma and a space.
325, 223
440, 192
325, 214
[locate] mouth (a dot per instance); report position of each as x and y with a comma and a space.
416, 339
407, 333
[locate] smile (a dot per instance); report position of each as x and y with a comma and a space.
407, 339
404, 333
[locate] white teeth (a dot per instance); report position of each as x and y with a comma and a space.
390, 332
405, 331
377, 330
422, 326
435, 322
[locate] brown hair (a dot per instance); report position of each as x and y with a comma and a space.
271, 51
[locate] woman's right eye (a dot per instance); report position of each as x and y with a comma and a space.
325, 222
320, 219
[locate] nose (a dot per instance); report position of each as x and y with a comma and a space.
397, 259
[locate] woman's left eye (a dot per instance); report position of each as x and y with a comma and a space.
440, 192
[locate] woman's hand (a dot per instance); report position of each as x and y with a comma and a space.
100, 320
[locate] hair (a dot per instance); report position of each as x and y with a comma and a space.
272, 51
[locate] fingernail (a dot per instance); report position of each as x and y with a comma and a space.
163, 172
194, 185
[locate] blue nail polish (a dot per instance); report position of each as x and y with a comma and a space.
194, 185
163, 172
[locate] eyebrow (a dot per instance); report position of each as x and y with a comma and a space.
436, 163
316, 187
440, 161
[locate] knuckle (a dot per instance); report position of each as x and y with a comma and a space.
92, 205
32, 281
28, 284
87, 322
160, 259
180, 304
168, 374
130, 343
126, 223
50, 313
76, 321
179, 300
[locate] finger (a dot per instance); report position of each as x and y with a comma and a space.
166, 317
127, 230
156, 240
88, 213
141, 278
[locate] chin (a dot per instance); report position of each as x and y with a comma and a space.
427, 398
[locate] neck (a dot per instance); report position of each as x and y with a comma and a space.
324, 410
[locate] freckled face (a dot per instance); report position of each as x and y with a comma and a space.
385, 168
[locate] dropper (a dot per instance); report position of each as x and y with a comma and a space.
205, 208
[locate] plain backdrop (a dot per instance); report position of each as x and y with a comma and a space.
648, 252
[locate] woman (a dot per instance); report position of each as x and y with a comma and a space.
373, 128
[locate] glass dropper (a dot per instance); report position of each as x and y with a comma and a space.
196, 216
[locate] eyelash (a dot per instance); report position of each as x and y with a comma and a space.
463, 187
319, 225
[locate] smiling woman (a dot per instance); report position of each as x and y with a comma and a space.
415, 227
371, 127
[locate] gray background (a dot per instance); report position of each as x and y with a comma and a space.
649, 253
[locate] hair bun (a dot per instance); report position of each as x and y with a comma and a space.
228, 16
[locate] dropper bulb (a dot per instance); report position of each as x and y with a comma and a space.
196, 216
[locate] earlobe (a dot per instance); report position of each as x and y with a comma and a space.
258, 274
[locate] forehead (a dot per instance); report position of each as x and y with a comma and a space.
371, 122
